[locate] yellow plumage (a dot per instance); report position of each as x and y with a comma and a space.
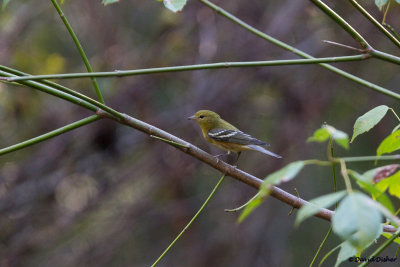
224, 135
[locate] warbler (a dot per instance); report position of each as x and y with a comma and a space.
224, 135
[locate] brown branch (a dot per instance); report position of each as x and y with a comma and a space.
220, 165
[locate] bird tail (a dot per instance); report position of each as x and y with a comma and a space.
263, 150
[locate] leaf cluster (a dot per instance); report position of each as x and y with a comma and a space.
357, 220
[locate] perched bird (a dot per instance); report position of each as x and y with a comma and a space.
224, 135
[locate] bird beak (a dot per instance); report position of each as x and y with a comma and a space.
192, 118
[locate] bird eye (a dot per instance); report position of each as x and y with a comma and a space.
201, 116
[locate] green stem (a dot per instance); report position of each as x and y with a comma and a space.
344, 24
191, 221
218, 65
66, 90
346, 178
330, 146
331, 156
381, 248
395, 114
367, 158
384, 56
386, 12
342, 45
316, 162
349, 159
392, 30
321, 246
375, 22
169, 141
244, 205
328, 254
49, 135
80, 48
50, 90
287, 47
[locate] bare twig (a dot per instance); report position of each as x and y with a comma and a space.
345, 46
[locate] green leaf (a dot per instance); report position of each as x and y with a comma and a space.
376, 194
346, 251
398, 126
389, 144
108, 2
174, 5
283, 175
388, 236
357, 220
367, 121
322, 135
316, 204
393, 183
380, 3
341, 138
253, 205
5, 3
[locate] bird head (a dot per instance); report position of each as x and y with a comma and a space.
207, 119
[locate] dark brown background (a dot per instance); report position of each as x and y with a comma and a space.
107, 195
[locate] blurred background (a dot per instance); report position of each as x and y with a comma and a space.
108, 195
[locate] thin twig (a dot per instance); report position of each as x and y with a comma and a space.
10, 73
321, 246
218, 65
297, 194
381, 248
292, 49
345, 46
344, 24
79, 47
393, 31
49, 135
244, 205
375, 22
190, 222
346, 178
170, 142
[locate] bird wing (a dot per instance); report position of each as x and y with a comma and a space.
234, 136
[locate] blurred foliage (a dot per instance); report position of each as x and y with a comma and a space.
106, 195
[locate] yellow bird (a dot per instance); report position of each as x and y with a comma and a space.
224, 135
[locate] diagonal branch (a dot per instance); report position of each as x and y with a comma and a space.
225, 168
12, 73
49, 89
296, 51
80, 48
375, 22
344, 24
49, 135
